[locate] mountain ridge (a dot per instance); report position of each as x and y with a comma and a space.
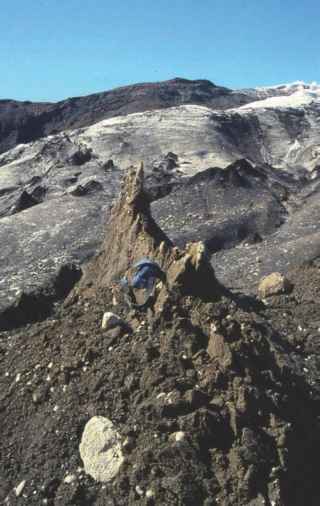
26, 121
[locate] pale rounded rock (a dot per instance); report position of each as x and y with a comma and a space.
110, 320
273, 284
69, 478
177, 437
100, 449
149, 494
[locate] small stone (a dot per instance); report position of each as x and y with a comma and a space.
70, 478
219, 349
19, 488
273, 284
18, 377
177, 436
50, 365
111, 320
139, 490
149, 493
128, 443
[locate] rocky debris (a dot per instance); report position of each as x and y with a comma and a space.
245, 432
100, 449
273, 284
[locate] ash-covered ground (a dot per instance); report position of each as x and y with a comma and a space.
214, 394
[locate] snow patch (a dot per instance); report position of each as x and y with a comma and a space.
294, 95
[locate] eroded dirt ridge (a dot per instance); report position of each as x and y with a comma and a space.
200, 390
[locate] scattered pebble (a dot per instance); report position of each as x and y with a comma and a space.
19, 488
70, 478
139, 490
177, 436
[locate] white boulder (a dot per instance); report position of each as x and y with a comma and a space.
100, 449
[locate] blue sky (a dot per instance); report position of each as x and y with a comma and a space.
53, 49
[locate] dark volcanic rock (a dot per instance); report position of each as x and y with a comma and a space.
224, 207
296, 242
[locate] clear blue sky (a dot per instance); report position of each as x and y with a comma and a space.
53, 49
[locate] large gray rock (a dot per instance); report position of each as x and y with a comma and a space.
100, 449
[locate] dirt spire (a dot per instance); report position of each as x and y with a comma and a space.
132, 234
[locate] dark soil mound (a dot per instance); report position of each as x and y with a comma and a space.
202, 388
